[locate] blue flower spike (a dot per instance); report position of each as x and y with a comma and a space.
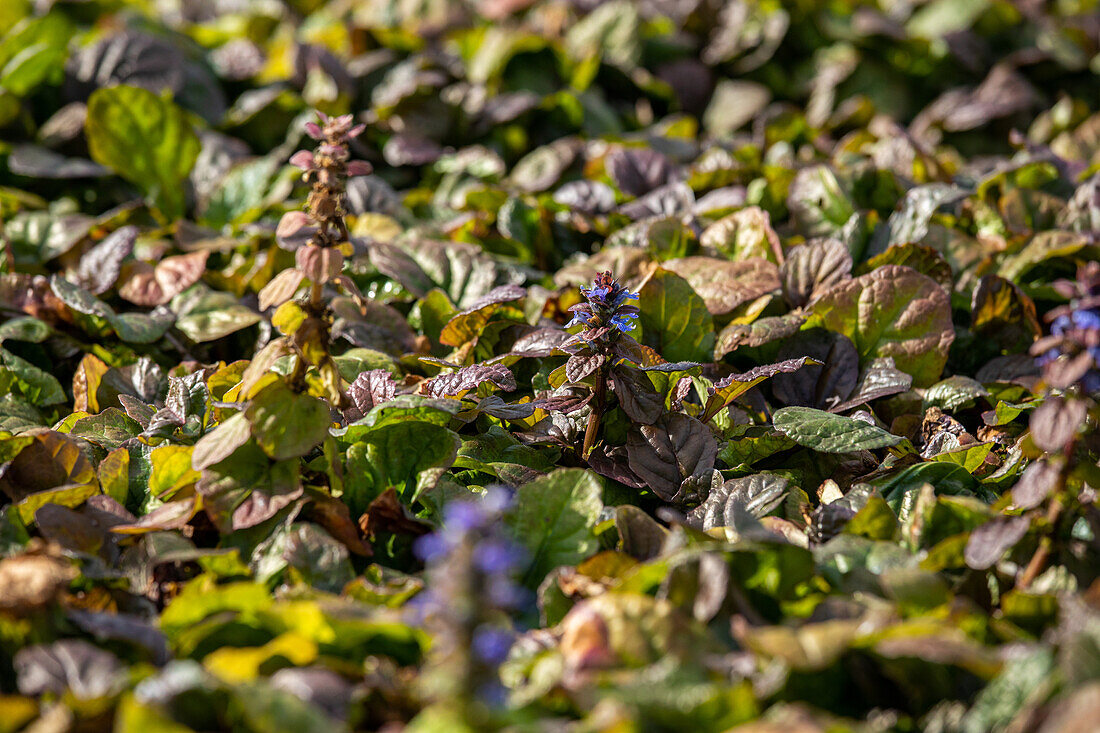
604, 307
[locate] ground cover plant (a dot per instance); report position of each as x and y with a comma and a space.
549, 365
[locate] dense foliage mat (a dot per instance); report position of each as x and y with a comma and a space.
549, 365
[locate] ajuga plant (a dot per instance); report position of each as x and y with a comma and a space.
319, 236
472, 595
670, 447
603, 345
1064, 425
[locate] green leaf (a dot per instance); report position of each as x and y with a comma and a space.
404, 408
1024, 679
287, 424
147, 140
554, 517
395, 455
743, 235
142, 328
875, 521
109, 429
25, 329
38, 386
751, 443
239, 196
674, 320
820, 204
32, 51
893, 311
67, 495
135, 328
208, 315
171, 470
829, 433
202, 597
498, 453
954, 392
947, 478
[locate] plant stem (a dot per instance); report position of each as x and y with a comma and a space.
594, 417
1039, 560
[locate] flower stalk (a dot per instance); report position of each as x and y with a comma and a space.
607, 320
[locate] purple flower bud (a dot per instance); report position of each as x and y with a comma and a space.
314, 130
359, 168
302, 159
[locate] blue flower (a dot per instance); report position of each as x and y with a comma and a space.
503, 593
623, 296
597, 293
491, 644
624, 322
464, 516
1048, 356
1086, 319
1070, 356
493, 556
605, 305
580, 318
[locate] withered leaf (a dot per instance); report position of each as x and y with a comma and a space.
69, 665
280, 288
333, 515
387, 514
31, 581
